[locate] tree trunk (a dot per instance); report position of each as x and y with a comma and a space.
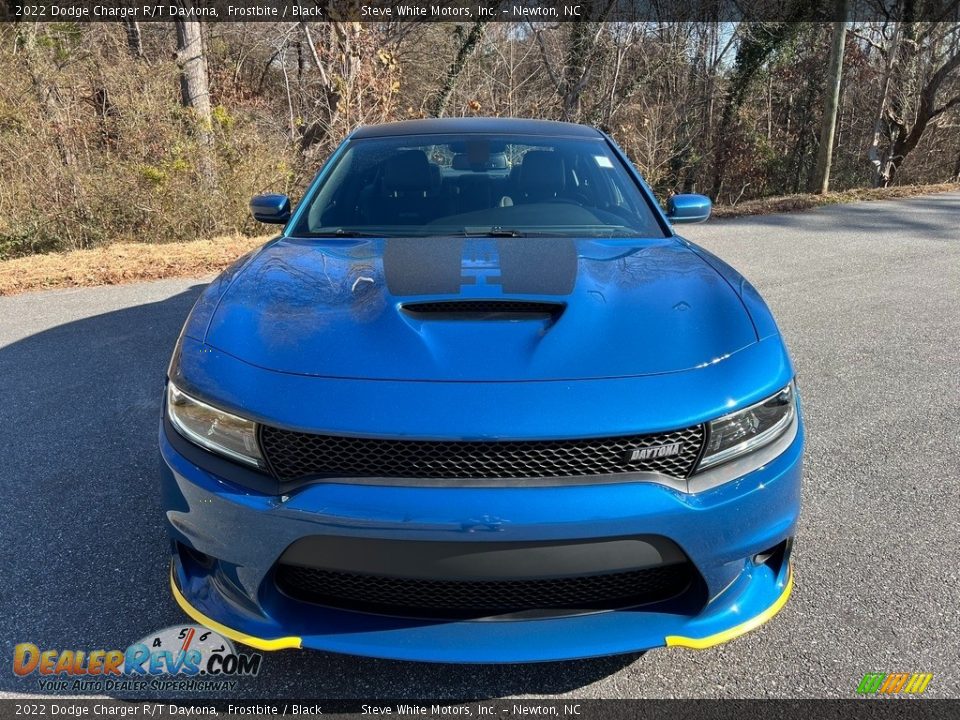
880, 168
576, 68
467, 48
134, 40
581, 57
195, 85
829, 127
194, 80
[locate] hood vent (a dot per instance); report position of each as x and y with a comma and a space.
484, 310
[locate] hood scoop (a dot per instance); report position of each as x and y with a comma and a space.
484, 310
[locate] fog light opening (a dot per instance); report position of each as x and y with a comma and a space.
775, 556
195, 557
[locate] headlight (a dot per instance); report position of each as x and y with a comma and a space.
212, 428
747, 430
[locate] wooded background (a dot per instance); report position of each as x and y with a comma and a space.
162, 131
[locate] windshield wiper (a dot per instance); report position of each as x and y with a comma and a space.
340, 232
496, 232
586, 231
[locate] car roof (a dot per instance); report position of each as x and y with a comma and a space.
461, 126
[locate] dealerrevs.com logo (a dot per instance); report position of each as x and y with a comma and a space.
179, 658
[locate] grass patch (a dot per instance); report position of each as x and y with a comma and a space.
806, 201
122, 263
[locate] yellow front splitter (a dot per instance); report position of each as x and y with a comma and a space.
288, 642
737, 630
281, 643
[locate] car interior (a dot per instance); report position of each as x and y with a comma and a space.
475, 182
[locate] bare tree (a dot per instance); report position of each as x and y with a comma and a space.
758, 41
195, 86
732, 107
829, 127
467, 47
134, 39
939, 53
581, 55
343, 48
357, 80
873, 153
194, 78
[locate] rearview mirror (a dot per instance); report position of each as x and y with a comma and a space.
271, 208
688, 208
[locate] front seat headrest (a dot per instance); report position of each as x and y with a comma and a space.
541, 174
461, 161
407, 171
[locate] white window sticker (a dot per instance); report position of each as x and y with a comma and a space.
603, 161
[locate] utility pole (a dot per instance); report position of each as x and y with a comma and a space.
829, 127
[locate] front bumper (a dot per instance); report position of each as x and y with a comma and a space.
226, 542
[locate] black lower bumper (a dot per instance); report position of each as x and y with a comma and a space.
484, 579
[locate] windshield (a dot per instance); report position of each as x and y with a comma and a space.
477, 185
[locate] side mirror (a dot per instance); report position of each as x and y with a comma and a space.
688, 208
271, 208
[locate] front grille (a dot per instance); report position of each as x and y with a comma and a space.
296, 455
414, 597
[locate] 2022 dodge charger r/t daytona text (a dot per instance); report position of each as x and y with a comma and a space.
479, 403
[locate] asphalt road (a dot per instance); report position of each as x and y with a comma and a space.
868, 297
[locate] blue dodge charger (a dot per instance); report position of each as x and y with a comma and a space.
478, 402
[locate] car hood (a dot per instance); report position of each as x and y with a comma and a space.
342, 309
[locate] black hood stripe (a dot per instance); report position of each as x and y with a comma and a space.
423, 266
538, 266
449, 266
